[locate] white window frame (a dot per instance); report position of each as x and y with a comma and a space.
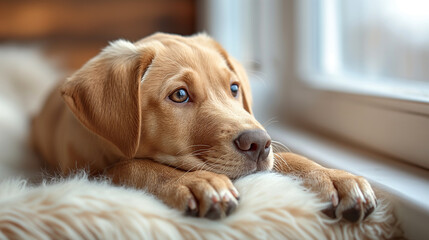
396, 123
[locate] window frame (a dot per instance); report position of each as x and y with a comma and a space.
395, 125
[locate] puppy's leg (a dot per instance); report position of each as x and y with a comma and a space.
198, 193
351, 196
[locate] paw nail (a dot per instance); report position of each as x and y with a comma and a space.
368, 212
235, 193
359, 201
215, 199
334, 200
192, 208
192, 204
226, 198
358, 205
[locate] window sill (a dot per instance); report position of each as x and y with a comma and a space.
405, 184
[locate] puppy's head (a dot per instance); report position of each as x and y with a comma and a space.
180, 101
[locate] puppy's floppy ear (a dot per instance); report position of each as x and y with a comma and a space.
245, 85
105, 94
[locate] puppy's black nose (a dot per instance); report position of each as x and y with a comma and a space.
255, 144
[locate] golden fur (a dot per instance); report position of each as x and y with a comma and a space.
114, 117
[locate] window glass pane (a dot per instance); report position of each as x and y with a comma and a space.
379, 39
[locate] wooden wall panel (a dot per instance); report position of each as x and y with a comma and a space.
77, 29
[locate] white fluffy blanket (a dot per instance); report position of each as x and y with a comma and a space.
271, 206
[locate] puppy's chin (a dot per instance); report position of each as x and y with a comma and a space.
247, 167
262, 166
233, 166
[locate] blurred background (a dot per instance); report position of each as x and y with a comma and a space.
76, 30
351, 73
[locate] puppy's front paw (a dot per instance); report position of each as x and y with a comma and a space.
203, 194
351, 196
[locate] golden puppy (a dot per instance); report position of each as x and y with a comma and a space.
172, 115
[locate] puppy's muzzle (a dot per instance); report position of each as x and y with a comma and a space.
254, 144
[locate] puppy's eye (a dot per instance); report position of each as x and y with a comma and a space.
179, 96
234, 89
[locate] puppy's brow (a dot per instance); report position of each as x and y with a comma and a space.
225, 57
185, 75
188, 77
228, 63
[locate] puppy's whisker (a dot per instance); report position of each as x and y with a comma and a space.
222, 161
201, 151
278, 157
216, 159
196, 153
280, 146
219, 164
259, 76
192, 146
200, 155
269, 122
206, 167
198, 167
183, 163
277, 149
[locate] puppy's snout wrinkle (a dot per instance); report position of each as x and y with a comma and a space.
255, 144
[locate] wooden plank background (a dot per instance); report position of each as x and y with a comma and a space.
76, 30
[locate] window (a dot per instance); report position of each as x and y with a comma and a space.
380, 47
365, 66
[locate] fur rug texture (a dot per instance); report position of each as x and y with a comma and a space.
271, 206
